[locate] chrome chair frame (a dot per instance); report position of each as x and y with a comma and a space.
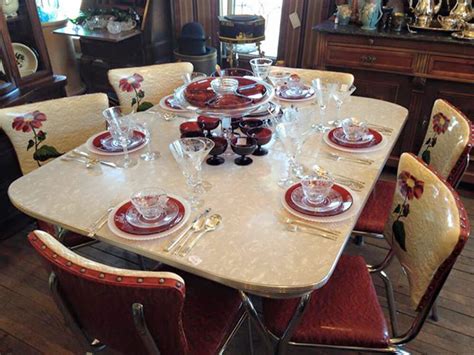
138, 314
396, 342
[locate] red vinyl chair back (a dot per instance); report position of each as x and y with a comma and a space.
101, 297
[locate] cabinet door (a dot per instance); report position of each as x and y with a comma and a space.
461, 96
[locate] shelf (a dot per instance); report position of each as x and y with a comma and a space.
98, 35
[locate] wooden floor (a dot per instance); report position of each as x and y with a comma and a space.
31, 324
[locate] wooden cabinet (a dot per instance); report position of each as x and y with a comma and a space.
412, 70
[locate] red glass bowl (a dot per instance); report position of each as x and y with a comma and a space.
263, 136
220, 146
250, 123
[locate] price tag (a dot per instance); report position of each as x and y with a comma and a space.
241, 141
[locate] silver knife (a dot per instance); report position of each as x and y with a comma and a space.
175, 241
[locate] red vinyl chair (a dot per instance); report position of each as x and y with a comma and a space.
345, 313
446, 148
139, 312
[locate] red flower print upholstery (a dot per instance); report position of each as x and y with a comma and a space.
190, 316
133, 82
28, 121
345, 311
440, 123
410, 186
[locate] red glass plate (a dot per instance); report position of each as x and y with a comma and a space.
121, 222
103, 142
199, 93
347, 202
377, 139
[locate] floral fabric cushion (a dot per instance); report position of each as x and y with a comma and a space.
424, 225
448, 134
143, 87
45, 130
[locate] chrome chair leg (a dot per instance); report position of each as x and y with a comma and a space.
434, 312
142, 329
391, 302
294, 322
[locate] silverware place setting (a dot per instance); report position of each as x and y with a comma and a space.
338, 157
193, 227
353, 184
87, 159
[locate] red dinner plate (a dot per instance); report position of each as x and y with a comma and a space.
377, 139
103, 142
347, 202
121, 221
199, 93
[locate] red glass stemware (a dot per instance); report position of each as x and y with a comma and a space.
220, 146
262, 136
243, 146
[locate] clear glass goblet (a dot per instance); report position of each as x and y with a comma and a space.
323, 92
341, 93
189, 153
125, 129
149, 154
293, 135
112, 116
261, 67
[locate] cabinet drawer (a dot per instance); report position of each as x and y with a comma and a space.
450, 67
370, 58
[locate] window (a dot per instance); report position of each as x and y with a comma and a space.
269, 9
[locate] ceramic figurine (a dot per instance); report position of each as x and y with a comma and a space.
10, 7
370, 15
344, 13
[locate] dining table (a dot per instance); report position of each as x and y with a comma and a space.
252, 250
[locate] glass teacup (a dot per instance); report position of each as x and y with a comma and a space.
295, 86
353, 129
150, 202
316, 187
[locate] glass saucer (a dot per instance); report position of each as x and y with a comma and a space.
332, 201
110, 145
136, 219
341, 137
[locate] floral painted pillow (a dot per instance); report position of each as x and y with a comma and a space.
32, 122
133, 83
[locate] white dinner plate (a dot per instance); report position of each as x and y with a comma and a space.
375, 148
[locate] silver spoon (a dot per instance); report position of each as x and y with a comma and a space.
294, 228
211, 225
197, 226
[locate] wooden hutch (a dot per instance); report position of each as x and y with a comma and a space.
410, 69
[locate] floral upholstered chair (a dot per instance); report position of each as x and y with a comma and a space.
427, 230
139, 312
143, 87
307, 75
45, 130
446, 149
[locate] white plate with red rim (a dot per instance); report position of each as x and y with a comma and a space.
355, 150
166, 103
93, 143
184, 217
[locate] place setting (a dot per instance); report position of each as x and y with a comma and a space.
318, 198
355, 137
149, 214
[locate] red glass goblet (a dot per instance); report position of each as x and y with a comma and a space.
250, 123
220, 146
235, 121
190, 130
262, 136
208, 123
243, 146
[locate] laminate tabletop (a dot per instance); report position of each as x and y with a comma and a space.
252, 250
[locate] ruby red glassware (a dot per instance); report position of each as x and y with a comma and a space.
262, 136
190, 130
235, 121
243, 146
208, 124
220, 146
250, 123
